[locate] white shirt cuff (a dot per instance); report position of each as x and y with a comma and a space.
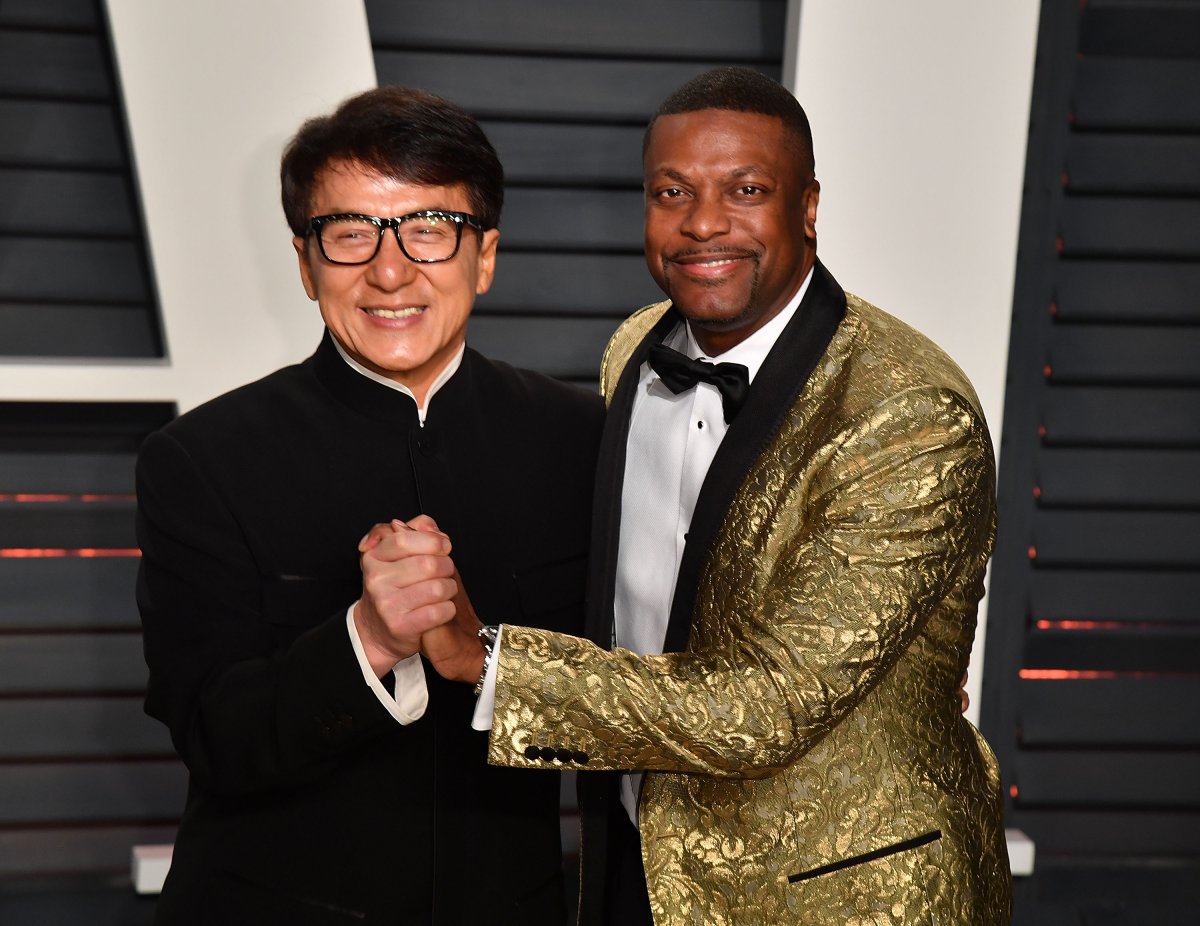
412, 695
486, 703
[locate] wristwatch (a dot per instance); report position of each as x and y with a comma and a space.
487, 636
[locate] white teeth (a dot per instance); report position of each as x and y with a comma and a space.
395, 313
715, 263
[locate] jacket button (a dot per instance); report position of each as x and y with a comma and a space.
564, 755
581, 758
532, 752
428, 444
547, 754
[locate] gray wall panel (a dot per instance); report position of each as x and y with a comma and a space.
71, 727
1164, 355
725, 29
1155, 539
65, 202
1120, 835
79, 329
91, 791
1155, 596
1120, 415
67, 525
1121, 711
1129, 291
580, 220
60, 663
59, 133
66, 850
611, 285
521, 342
1137, 94
1093, 628
68, 592
1086, 777
107, 473
64, 183
1136, 28
558, 153
71, 271
1155, 164
46, 64
57, 14
1119, 478
1122, 226
542, 87
1113, 646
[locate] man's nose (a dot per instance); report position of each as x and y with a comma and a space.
390, 269
705, 218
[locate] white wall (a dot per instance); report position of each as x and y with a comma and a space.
213, 90
920, 115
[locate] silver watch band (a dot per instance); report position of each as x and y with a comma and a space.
487, 636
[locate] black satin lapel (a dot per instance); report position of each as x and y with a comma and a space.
780, 379
610, 477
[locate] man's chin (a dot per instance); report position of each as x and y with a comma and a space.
714, 318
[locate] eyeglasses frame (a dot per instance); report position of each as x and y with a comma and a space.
459, 218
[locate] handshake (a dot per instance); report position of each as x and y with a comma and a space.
413, 601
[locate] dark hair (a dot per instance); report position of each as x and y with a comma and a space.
741, 90
401, 133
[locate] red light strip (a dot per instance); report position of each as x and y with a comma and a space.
1107, 625
58, 498
52, 553
1057, 675
1060, 675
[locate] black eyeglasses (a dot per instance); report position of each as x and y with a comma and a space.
426, 237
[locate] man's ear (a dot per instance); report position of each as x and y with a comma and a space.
809, 201
306, 272
487, 260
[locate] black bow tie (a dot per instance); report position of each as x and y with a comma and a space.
680, 372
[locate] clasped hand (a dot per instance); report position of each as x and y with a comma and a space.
414, 601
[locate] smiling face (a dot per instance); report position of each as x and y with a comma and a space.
731, 212
397, 318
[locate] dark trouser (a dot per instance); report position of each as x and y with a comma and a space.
627, 901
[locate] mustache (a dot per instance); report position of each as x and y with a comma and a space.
712, 253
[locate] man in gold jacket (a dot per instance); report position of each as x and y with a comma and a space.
789, 571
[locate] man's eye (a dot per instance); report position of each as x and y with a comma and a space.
670, 193
750, 190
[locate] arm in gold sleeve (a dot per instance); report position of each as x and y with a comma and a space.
896, 518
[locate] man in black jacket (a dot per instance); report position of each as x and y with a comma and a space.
284, 662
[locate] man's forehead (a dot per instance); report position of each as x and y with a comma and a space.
702, 126
732, 141
713, 133
340, 176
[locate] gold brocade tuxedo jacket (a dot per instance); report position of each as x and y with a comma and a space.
808, 759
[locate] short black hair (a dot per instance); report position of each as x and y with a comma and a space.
743, 90
399, 132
